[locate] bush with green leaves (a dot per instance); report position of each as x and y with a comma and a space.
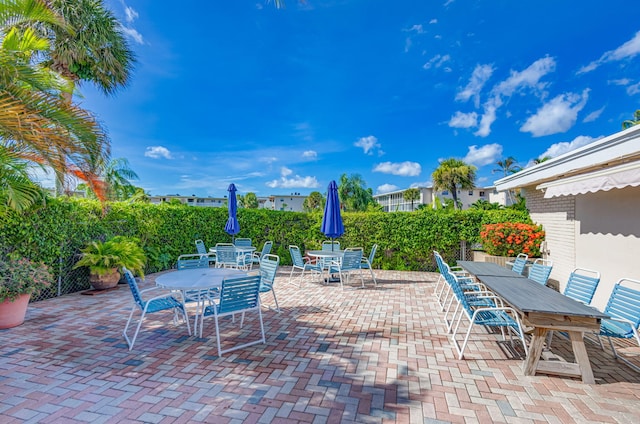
22, 276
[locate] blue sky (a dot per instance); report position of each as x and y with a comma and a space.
283, 101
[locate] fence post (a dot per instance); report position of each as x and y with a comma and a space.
463, 250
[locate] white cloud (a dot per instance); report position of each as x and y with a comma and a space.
423, 184
627, 50
368, 144
518, 80
415, 28
633, 89
448, 2
564, 147
135, 35
295, 182
310, 154
621, 81
529, 77
484, 155
386, 188
464, 120
556, 116
436, 61
268, 159
593, 115
131, 14
157, 152
479, 77
405, 169
433, 21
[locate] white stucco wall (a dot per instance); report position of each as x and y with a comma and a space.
608, 236
599, 231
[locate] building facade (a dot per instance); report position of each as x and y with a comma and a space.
394, 201
588, 200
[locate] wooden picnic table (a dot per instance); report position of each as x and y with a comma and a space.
545, 310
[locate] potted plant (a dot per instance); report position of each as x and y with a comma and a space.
506, 240
106, 259
19, 279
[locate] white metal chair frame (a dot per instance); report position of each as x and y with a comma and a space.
303, 264
367, 263
162, 302
237, 295
349, 262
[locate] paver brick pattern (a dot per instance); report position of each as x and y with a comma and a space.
373, 355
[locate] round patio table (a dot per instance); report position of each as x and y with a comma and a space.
197, 280
326, 256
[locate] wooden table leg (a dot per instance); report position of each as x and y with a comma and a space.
535, 350
582, 359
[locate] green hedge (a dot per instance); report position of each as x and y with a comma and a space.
406, 240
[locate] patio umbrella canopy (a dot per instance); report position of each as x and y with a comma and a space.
332, 225
232, 227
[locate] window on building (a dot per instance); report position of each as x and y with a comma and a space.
445, 192
481, 194
470, 192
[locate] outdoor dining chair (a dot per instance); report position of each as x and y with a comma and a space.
520, 263
500, 316
331, 245
202, 250
237, 295
581, 286
624, 309
540, 270
443, 288
302, 264
257, 256
268, 271
244, 242
226, 256
348, 264
162, 302
367, 263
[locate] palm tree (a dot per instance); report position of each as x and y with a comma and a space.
508, 166
314, 201
454, 174
36, 124
631, 122
18, 192
354, 196
542, 159
411, 195
117, 175
96, 52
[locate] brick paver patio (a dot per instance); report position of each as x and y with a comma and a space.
378, 355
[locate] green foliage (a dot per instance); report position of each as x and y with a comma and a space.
165, 231
118, 252
22, 276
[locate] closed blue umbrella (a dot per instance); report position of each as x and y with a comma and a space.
232, 226
332, 225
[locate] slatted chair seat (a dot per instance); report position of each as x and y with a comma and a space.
540, 271
162, 302
302, 264
237, 295
257, 256
520, 263
624, 309
367, 263
226, 256
498, 315
268, 272
348, 264
202, 250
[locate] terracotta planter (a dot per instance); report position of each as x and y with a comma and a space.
106, 281
12, 313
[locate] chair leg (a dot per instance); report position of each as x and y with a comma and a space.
126, 327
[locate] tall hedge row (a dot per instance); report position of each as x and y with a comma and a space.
57, 232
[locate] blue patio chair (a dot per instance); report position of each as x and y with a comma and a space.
237, 295
520, 263
499, 316
624, 309
581, 286
541, 270
443, 289
162, 302
268, 271
244, 242
202, 250
257, 256
348, 264
303, 264
192, 260
367, 263
226, 256
330, 245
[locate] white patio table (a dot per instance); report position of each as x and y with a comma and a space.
197, 279
326, 256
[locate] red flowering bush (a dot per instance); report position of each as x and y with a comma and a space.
512, 238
